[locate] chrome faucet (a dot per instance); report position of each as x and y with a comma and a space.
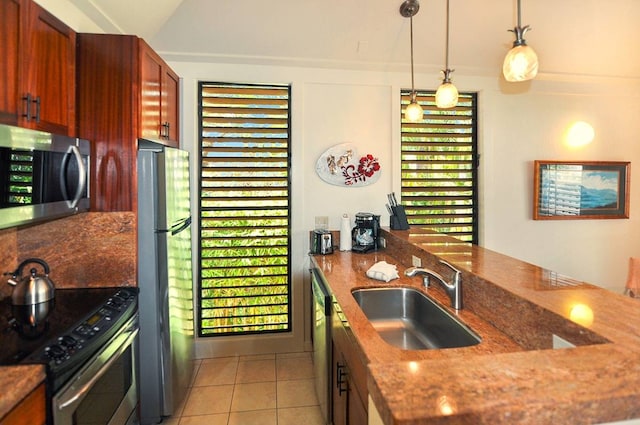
453, 289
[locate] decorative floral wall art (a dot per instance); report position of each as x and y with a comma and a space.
342, 165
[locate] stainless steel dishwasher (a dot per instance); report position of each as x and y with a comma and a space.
322, 342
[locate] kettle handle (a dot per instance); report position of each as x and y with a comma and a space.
43, 263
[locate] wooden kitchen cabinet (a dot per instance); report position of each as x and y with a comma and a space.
37, 71
125, 92
159, 97
349, 377
30, 411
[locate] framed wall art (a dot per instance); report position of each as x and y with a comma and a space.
571, 190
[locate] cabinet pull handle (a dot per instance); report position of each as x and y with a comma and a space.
37, 102
341, 382
165, 130
27, 105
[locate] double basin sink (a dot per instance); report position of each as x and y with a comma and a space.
408, 319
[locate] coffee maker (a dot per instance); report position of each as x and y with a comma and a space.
365, 233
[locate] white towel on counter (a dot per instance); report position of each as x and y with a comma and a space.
383, 271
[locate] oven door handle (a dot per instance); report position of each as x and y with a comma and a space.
123, 341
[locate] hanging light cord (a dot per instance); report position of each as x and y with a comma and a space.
413, 91
446, 71
519, 30
446, 55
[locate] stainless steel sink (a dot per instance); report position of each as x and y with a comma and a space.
408, 319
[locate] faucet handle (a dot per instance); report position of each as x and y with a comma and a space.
458, 273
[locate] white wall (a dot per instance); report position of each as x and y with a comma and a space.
531, 126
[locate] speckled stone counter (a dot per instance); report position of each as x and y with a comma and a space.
16, 383
513, 375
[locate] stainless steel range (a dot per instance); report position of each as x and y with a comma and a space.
87, 338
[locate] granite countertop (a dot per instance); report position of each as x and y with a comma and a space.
17, 383
513, 375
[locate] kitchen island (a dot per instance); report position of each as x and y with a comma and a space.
514, 375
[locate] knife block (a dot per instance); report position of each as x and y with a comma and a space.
398, 220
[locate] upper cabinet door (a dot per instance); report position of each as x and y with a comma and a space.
170, 99
51, 72
150, 92
10, 24
159, 87
38, 66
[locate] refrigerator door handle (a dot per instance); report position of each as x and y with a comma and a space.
181, 225
178, 227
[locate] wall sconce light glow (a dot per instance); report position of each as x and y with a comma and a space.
580, 134
582, 315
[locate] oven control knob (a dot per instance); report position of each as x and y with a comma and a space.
56, 352
115, 302
68, 341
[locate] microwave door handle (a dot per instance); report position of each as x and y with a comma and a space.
82, 176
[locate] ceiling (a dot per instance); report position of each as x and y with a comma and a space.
574, 37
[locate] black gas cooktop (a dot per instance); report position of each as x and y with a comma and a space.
64, 331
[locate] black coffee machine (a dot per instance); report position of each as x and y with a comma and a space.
365, 233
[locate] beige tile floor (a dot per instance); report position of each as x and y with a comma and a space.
271, 389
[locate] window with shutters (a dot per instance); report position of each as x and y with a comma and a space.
439, 166
244, 209
17, 173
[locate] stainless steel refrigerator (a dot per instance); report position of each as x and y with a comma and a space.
164, 279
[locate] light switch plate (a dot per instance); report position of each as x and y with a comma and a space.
416, 261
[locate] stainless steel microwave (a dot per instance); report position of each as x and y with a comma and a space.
43, 176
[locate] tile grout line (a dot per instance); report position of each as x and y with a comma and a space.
235, 382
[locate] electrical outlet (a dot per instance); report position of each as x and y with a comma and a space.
416, 261
382, 242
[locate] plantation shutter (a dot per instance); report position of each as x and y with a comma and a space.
439, 166
17, 169
244, 204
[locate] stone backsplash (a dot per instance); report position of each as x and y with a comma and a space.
94, 249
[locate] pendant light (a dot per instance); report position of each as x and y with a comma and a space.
413, 112
447, 94
521, 63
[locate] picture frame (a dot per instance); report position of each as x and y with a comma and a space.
574, 190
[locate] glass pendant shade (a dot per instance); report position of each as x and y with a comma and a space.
520, 64
446, 96
413, 112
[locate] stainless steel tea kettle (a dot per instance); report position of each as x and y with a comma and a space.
31, 289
